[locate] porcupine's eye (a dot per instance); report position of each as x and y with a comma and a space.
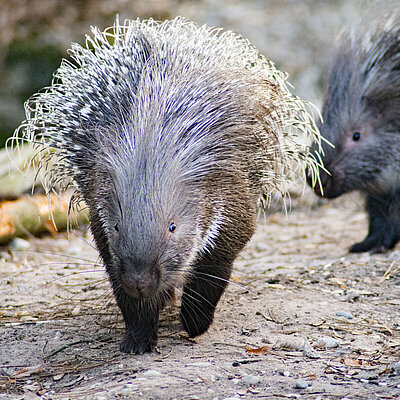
116, 227
172, 227
356, 136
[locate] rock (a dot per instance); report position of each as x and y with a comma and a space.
327, 342
251, 380
20, 244
128, 387
22, 288
351, 295
300, 384
396, 368
309, 351
262, 247
344, 314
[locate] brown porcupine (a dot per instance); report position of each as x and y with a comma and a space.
172, 134
361, 114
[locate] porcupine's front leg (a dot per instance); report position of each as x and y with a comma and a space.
202, 293
384, 224
210, 275
141, 321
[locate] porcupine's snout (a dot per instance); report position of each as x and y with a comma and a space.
139, 280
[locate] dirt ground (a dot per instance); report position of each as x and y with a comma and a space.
276, 334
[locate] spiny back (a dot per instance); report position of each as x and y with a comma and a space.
365, 70
192, 98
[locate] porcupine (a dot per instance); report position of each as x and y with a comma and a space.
172, 134
361, 114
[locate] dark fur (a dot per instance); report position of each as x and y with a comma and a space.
363, 95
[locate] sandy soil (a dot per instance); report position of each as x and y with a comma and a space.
60, 329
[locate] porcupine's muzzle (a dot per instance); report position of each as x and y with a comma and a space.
140, 284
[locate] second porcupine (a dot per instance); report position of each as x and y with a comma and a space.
171, 134
361, 114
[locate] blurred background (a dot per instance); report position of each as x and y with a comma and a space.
35, 35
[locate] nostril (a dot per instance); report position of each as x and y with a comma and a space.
139, 285
143, 282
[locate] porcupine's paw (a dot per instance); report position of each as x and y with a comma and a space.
376, 242
135, 345
384, 225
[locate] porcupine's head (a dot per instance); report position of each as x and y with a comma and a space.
145, 125
361, 110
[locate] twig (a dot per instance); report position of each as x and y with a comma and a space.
53, 353
389, 272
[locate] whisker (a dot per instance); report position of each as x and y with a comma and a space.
49, 253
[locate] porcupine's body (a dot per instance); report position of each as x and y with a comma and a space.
171, 134
361, 115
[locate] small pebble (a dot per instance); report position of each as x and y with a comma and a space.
301, 384
251, 380
151, 372
345, 314
396, 368
128, 387
285, 373
20, 244
327, 342
351, 295
76, 310
22, 288
262, 247
309, 351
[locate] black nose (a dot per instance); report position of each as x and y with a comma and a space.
140, 285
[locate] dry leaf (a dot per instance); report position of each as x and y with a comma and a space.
28, 371
352, 362
257, 351
341, 282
